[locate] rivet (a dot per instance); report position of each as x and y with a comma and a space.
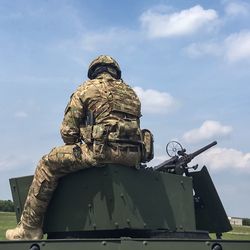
89, 205
144, 225
207, 243
116, 224
104, 243
144, 242
128, 221
94, 226
43, 243
122, 195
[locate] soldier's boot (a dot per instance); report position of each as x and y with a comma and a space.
30, 225
40, 193
21, 232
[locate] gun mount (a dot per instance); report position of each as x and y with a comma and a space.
178, 163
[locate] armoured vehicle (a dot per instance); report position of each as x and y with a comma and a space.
170, 206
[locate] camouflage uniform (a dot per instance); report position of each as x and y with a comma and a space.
104, 113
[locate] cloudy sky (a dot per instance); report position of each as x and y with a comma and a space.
189, 62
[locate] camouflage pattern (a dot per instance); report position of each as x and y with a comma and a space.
109, 100
60, 161
21, 233
148, 145
113, 136
104, 60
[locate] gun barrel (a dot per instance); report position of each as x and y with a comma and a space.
201, 150
176, 161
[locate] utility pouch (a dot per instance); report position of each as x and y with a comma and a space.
86, 134
99, 146
147, 146
98, 132
127, 128
124, 131
99, 150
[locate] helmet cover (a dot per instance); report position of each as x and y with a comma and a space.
104, 60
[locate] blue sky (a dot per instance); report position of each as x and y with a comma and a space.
188, 61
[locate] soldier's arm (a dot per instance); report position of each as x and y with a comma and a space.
73, 117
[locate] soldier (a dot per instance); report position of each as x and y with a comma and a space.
103, 113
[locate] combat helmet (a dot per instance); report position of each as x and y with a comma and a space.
104, 63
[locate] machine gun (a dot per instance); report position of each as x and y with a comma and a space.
177, 164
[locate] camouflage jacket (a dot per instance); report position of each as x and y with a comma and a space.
106, 99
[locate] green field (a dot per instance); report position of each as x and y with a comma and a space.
238, 233
8, 220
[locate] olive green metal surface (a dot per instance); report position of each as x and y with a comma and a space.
116, 197
19, 188
210, 214
126, 244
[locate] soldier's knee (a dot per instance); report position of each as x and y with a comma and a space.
64, 153
64, 156
43, 163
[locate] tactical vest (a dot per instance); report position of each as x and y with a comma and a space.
113, 115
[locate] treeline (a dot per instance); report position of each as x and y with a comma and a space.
6, 206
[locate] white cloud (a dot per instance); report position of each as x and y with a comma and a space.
185, 22
238, 46
237, 9
155, 102
208, 130
200, 49
224, 158
234, 48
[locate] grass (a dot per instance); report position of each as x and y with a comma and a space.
8, 220
238, 233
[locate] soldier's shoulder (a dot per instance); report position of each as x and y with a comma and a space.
126, 85
87, 84
87, 87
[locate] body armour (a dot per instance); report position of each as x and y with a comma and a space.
103, 111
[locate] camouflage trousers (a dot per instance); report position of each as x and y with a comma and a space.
62, 161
